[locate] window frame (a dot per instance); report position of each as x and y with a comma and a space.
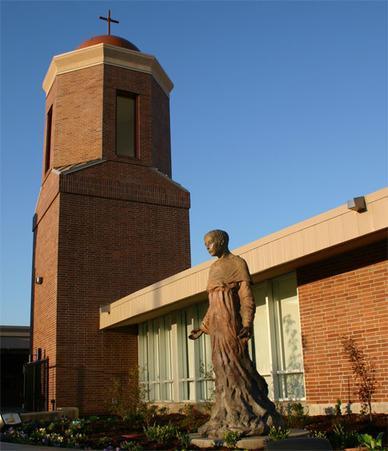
189, 382
136, 124
48, 142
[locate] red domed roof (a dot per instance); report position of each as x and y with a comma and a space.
109, 39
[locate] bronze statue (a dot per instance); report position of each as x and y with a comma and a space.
241, 403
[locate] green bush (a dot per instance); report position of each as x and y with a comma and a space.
161, 434
337, 408
317, 434
295, 415
371, 443
342, 438
131, 446
278, 433
231, 438
184, 440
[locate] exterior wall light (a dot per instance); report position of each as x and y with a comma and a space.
105, 308
357, 204
9, 419
39, 280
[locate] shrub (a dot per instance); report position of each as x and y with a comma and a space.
337, 408
127, 395
184, 440
341, 438
131, 446
161, 434
193, 418
371, 443
278, 433
231, 438
295, 415
317, 434
364, 371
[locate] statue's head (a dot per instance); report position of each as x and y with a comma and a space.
216, 242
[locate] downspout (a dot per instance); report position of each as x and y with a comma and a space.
34, 230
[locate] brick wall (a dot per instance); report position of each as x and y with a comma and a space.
45, 311
77, 116
153, 121
161, 153
103, 231
84, 115
108, 248
49, 104
120, 228
344, 296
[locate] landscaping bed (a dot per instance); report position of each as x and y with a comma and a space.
160, 430
153, 430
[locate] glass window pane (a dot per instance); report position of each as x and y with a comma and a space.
290, 381
143, 360
125, 126
205, 386
290, 323
261, 331
49, 122
172, 367
292, 386
165, 357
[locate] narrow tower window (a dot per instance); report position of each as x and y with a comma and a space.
49, 121
125, 125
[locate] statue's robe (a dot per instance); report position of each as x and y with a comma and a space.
241, 403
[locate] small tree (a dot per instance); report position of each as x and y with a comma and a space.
126, 396
364, 372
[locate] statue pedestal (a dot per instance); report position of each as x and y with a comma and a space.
255, 442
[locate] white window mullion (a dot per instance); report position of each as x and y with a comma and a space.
162, 359
168, 344
273, 325
175, 361
183, 357
151, 361
191, 354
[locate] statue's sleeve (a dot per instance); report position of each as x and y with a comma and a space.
247, 304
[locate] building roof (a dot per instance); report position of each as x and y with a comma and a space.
109, 39
14, 337
324, 235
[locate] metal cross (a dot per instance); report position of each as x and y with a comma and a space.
109, 20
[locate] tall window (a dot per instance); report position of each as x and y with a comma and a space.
155, 358
49, 121
195, 371
277, 337
126, 125
174, 368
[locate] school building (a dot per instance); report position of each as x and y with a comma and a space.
113, 287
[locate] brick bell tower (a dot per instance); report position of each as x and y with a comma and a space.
109, 218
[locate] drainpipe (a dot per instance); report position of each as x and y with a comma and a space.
34, 230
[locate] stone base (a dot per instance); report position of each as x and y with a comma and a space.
255, 442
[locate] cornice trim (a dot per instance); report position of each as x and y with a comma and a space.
110, 55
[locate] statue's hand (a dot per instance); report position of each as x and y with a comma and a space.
245, 332
196, 333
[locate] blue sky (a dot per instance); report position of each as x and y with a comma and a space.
279, 110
